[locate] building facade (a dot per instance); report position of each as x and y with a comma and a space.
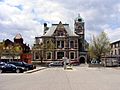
113, 57
115, 48
15, 51
60, 41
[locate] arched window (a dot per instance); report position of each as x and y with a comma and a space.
36, 55
60, 44
49, 55
71, 44
72, 55
60, 55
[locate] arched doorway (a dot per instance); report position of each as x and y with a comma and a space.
82, 60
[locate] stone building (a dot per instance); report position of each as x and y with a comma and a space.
60, 41
115, 48
113, 57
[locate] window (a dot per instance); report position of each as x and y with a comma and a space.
72, 55
60, 55
60, 33
115, 52
119, 51
49, 55
60, 44
111, 52
111, 46
71, 44
36, 55
47, 42
76, 43
116, 44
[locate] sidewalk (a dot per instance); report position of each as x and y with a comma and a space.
35, 70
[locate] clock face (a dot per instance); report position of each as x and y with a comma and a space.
78, 25
78, 31
78, 28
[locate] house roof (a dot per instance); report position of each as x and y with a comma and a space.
52, 29
18, 36
115, 42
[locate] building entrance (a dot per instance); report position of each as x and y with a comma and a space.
82, 60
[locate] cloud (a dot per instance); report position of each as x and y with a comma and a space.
113, 34
27, 16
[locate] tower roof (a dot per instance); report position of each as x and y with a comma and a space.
18, 36
79, 18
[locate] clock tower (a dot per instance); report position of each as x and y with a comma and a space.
79, 30
79, 26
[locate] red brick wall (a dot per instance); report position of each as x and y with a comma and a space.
27, 58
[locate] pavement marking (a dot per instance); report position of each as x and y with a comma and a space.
35, 70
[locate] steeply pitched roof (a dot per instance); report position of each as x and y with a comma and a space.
52, 29
79, 18
18, 36
8, 42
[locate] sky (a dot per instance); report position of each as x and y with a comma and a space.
28, 16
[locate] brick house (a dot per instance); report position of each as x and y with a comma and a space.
16, 51
68, 43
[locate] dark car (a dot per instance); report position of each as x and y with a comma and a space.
23, 64
56, 63
1, 64
11, 68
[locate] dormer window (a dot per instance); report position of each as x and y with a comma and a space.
60, 33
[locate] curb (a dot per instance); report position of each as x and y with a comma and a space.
35, 70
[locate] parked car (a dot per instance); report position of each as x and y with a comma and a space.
11, 68
2, 63
111, 62
94, 62
23, 64
75, 63
56, 63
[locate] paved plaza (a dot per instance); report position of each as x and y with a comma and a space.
80, 78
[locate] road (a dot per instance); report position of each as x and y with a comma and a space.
80, 78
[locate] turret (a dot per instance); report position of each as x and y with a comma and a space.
79, 25
18, 39
79, 30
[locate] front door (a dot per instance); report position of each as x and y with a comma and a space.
82, 60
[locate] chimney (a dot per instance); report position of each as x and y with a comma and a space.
45, 28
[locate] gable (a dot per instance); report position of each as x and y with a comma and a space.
59, 28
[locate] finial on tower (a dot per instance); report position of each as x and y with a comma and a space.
79, 18
78, 14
